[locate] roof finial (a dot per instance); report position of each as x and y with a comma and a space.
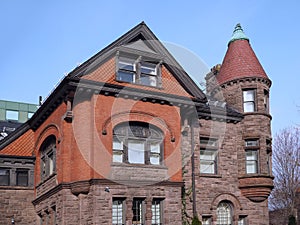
238, 34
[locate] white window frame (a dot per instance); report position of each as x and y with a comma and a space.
249, 99
252, 156
208, 155
118, 211
157, 211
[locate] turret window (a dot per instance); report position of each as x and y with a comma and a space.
266, 101
249, 100
251, 148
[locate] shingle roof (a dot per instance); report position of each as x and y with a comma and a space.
240, 60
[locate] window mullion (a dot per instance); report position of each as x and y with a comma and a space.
147, 152
138, 71
125, 149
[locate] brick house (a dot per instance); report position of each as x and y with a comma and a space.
127, 137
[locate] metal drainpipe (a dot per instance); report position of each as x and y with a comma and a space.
193, 170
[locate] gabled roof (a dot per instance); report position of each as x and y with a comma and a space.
240, 60
139, 38
142, 38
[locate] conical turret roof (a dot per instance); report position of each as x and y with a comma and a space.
240, 60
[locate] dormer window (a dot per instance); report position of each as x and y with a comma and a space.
138, 70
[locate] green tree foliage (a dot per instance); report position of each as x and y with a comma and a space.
196, 221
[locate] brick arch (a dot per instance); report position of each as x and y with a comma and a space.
226, 197
140, 117
51, 129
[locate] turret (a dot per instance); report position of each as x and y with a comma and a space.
242, 82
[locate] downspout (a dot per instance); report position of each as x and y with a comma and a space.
193, 169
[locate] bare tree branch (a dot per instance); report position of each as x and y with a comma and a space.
286, 169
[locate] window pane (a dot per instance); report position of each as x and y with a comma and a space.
251, 167
117, 212
224, 214
248, 95
208, 161
22, 178
249, 107
136, 151
251, 155
156, 212
30, 114
242, 221
148, 80
117, 144
125, 76
51, 163
148, 68
117, 157
126, 65
155, 147
12, 115
137, 210
4, 177
206, 220
212, 142
249, 143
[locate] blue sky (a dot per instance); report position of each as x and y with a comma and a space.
40, 41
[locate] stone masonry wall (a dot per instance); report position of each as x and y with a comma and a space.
16, 203
94, 204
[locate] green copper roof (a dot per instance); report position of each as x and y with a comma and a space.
238, 34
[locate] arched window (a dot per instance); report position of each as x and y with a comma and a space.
137, 143
224, 213
48, 157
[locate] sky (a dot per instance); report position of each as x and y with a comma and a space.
41, 41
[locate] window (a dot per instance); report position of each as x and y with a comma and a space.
22, 178
30, 114
137, 143
48, 157
242, 220
156, 211
138, 211
251, 147
249, 100
4, 176
269, 155
206, 220
208, 155
148, 74
138, 71
251, 161
12, 115
118, 215
224, 214
266, 101
127, 70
